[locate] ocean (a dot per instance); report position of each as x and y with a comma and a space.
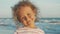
49, 25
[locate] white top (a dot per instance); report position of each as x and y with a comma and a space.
27, 30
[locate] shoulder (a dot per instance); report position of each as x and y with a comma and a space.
37, 30
40, 31
19, 30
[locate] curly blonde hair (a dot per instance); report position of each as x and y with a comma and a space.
22, 3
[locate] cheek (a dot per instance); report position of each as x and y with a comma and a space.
33, 18
24, 22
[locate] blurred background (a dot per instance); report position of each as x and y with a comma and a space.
48, 16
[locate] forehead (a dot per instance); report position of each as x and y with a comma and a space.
25, 10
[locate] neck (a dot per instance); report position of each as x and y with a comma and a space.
31, 26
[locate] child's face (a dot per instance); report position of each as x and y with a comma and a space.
26, 15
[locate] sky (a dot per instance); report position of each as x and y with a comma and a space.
47, 8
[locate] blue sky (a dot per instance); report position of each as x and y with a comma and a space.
48, 8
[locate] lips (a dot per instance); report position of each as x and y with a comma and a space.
29, 22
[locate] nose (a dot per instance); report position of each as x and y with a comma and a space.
27, 19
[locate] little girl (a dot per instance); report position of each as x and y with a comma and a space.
26, 13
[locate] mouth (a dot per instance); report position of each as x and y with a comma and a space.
29, 22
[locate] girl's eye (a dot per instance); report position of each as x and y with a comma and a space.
24, 18
29, 15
